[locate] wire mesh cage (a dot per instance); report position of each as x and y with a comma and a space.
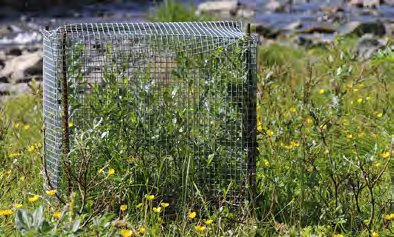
174, 104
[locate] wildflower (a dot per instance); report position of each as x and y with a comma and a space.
389, 217
34, 198
295, 144
26, 127
326, 151
111, 171
31, 148
270, 132
379, 115
16, 125
70, 124
377, 164
57, 214
139, 205
321, 91
337, 235
345, 122
200, 228
51, 192
361, 134
259, 126
150, 197
17, 205
385, 155
208, 222
157, 209
164, 204
310, 168
8, 172
359, 100
100, 171
6, 212
323, 127
141, 230
123, 207
351, 102
355, 90
22, 178
374, 234
309, 120
349, 136
292, 109
368, 98
267, 164
349, 86
192, 215
126, 233
14, 155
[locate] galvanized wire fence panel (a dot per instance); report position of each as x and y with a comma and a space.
176, 102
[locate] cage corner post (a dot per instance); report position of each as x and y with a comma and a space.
65, 129
251, 117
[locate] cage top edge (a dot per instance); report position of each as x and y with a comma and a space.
231, 29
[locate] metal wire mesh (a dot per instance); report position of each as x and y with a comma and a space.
177, 101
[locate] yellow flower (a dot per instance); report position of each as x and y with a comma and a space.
208, 222
338, 235
385, 155
164, 204
379, 115
111, 171
123, 207
368, 98
192, 215
349, 86
139, 205
359, 100
8, 172
22, 178
126, 233
326, 151
270, 132
17, 205
323, 126
309, 120
374, 234
51, 192
200, 228
100, 171
57, 214
267, 164
26, 127
157, 209
377, 164
6, 212
14, 155
70, 124
294, 144
293, 110
259, 126
141, 230
321, 91
310, 168
361, 134
31, 148
389, 217
16, 125
34, 198
349, 136
150, 197
355, 90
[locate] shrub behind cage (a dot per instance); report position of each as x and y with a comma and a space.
173, 104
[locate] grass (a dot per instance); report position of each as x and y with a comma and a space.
324, 169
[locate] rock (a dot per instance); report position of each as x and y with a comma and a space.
18, 67
318, 29
14, 89
246, 13
389, 30
368, 45
361, 28
314, 40
276, 6
223, 8
389, 2
365, 3
265, 31
293, 26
